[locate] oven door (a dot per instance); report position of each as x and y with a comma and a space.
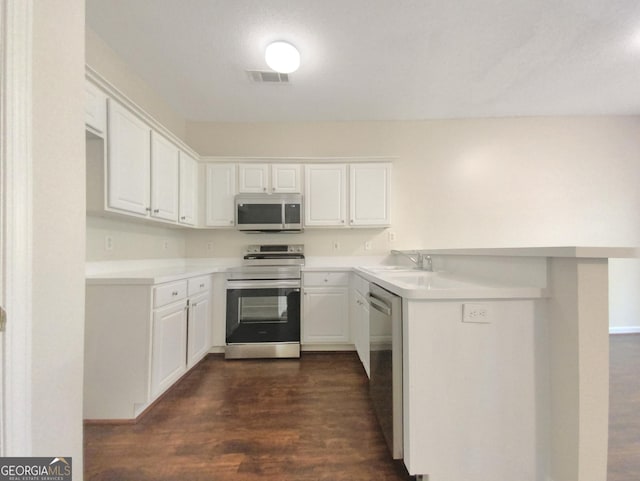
263, 311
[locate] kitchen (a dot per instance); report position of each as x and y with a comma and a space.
473, 182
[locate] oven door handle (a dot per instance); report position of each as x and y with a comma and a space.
265, 284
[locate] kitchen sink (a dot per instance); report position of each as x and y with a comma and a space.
425, 280
417, 279
390, 269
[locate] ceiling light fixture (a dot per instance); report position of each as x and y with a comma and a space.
282, 57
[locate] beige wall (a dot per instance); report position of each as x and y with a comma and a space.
473, 183
133, 239
58, 229
104, 60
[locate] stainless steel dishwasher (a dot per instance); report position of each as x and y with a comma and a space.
385, 344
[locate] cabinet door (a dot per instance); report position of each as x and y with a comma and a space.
129, 156
198, 333
188, 189
95, 109
325, 195
221, 189
361, 327
253, 178
165, 173
285, 178
370, 186
325, 315
168, 347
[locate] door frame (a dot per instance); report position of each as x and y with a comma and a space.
16, 18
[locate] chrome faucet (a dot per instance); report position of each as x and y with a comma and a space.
422, 261
429, 262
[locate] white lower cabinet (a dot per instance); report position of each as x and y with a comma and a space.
360, 321
139, 340
199, 328
168, 347
325, 311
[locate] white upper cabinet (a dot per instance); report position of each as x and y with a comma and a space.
129, 156
325, 202
95, 109
221, 190
285, 178
253, 178
188, 189
269, 178
165, 172
369, 194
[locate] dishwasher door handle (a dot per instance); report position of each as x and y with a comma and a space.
379, 304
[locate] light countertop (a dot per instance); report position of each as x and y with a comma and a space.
421, 285
551, 251
410, 284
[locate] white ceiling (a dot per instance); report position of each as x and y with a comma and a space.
382, 59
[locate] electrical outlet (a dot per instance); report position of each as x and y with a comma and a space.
165, 244
392, 236
477, 313
209, 246
367, 245
108, 243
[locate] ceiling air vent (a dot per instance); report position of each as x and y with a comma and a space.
268, 76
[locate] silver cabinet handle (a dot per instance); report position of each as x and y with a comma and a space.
147, 209
201, 285
183, 217
174, 293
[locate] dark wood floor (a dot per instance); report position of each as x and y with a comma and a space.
280, 420
298, 420
624, 409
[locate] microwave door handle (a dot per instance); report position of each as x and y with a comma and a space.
284, 213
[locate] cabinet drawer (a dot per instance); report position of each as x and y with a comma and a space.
325, 279
198, 284
168, 293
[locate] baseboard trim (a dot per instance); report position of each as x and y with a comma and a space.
625, 330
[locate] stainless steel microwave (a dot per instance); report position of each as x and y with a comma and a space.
269, 212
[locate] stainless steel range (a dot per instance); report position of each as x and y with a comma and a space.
263, 303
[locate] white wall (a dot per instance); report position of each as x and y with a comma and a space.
58, 229
624, 295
